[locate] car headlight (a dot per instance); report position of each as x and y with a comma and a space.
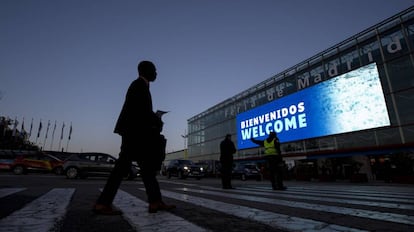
185, 168
201, 169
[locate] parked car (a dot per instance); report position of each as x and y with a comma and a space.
36, 162
211, 168
6, 160
245, 171
183, 169
83, 165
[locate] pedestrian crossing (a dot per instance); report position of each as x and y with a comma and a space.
41, 214
300, 208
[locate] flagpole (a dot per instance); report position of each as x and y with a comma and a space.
70, 133
23, 132
53, 136
14, 128
31, 127
38, 130
61, 135
47, 131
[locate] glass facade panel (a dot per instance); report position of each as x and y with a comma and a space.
317, 74
402, 73
391, 24
271, 94
280, 88
327, 143
410, 33
312, 145
391, 110
389, 136
290, 85
405, 106
346, 141
393, 44
333, 67
293, 147
408, 133
370, 52
303, 80
350, 60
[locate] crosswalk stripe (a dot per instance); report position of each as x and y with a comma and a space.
135, 211
352, 190
272, 219
328, 198
9, 191
41, 214
408, 197
391, 217
47, 212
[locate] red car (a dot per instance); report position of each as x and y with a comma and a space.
6, 160
38, 162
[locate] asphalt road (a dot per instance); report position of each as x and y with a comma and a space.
43, 202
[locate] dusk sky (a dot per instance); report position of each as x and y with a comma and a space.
72, 61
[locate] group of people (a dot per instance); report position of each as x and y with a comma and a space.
272, 154
147, 148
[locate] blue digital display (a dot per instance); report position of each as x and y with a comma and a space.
350, 102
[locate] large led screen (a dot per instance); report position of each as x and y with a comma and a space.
350, 102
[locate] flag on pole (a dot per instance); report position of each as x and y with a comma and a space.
47, 132
47, 129
54, 128
15, 127
22, 130
61, 134
40, 128
31, 127
70, 134
70, 131
53, 135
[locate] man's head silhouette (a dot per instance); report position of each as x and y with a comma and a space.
147, 70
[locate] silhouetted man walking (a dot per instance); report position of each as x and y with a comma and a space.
140, 129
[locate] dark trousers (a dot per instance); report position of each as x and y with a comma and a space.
122, 168
275, 167
226, 169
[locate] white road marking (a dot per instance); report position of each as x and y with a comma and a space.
384, 216
8, 191
407, 197
331, 197
41, 214
135, 211
272, 219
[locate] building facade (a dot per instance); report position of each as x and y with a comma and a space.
390, 46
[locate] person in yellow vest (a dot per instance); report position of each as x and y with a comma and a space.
274, 160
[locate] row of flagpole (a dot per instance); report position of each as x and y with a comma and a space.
39, 130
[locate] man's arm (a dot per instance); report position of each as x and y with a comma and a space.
258, 142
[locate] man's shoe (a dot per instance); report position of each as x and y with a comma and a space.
154, 207
105, 210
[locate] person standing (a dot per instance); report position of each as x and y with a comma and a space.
227, 149
140, 130
274, 160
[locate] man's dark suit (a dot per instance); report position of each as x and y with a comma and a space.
138, 125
